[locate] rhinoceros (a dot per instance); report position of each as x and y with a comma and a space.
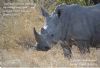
71, 25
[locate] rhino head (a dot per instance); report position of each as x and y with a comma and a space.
50, 32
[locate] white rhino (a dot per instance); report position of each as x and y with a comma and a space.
71, 24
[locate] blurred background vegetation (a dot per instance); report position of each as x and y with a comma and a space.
50, 4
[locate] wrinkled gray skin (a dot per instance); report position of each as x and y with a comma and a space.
70, 24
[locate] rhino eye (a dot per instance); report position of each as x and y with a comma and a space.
52, 35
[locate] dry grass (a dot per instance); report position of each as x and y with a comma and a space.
19, 28
16, 37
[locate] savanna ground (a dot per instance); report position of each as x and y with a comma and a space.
17, 45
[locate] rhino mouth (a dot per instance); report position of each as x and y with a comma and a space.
39, 48
41, 44
42, 49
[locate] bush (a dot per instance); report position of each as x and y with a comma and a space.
81, 2
51, 4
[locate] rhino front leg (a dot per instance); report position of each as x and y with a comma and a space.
84, 46
66, 49
67, 52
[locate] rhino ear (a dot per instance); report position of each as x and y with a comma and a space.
59, 13
44, 12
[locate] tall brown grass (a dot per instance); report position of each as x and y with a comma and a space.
19, 27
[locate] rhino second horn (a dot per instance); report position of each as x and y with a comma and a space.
37, 36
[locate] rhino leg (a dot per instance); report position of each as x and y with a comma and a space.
66, 49
67, 53
83, 46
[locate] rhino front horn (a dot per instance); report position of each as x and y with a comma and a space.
37, 36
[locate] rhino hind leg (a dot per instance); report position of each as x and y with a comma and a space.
83, 46
96, 44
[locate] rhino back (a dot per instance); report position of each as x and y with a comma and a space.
80, 22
